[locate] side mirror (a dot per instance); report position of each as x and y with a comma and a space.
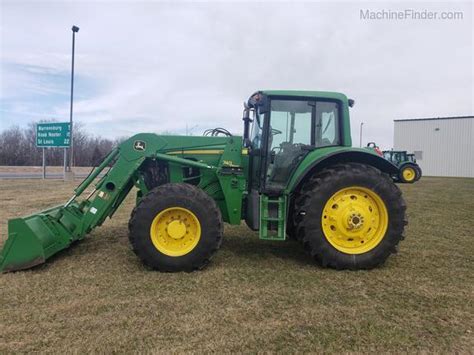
351, 102
246, 118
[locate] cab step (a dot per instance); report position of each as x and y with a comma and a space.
272, 217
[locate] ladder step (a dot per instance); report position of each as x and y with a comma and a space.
278, 217
273, 219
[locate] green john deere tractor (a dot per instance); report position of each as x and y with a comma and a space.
292, 172
408, 170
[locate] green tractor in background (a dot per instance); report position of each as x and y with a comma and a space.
292, 173
409, 171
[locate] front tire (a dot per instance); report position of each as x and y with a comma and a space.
176, 227
350, 216
408, 174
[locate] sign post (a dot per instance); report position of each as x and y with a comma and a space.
44, 165
53, 135
65, 163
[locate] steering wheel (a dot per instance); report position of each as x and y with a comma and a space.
275, 131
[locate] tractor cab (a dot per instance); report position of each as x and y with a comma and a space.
285, 127
281, 128
396, 157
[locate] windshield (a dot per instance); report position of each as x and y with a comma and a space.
304, 122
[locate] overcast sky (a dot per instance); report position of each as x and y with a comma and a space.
153, 66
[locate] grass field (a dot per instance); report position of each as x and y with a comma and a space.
255, 295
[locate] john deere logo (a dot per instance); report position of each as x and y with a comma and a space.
139, 145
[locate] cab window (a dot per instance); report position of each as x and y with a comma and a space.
296, 127
327, 123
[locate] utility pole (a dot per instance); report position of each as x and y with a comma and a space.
74, 29
361, 125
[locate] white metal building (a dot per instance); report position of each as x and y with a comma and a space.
443, 146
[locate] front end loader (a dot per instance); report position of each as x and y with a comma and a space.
293, 173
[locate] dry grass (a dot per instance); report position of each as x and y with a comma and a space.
255, 295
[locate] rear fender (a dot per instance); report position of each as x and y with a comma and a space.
362, 156
413, 165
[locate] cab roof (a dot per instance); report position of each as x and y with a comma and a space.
299, 93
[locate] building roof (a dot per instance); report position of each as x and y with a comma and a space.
433, 118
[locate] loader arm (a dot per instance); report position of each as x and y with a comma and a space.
35, 238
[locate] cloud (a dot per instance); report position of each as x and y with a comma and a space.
152, 66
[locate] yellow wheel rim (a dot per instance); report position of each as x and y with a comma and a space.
409, 174
354, 220
175, 231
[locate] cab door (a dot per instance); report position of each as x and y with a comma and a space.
295, 127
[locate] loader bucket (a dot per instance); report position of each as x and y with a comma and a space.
33, 239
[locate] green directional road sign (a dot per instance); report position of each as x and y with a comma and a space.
53, 135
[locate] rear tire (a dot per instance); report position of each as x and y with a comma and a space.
176, 227
418, 172
367, 199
